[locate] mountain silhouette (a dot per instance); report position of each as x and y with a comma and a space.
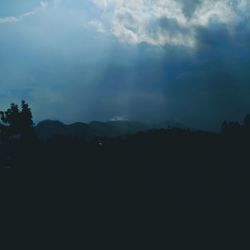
47, 129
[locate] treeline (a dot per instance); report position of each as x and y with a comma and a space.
21, 149
16, 122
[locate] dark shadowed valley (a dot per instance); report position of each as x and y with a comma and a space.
120, 176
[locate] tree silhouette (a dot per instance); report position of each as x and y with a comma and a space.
16, 121
224, 127
247, 121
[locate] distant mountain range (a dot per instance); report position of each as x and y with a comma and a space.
48, 128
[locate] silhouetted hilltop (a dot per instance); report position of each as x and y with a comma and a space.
128, 127
167, 124
48, 128
102, 129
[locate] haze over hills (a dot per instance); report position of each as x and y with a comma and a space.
49, 128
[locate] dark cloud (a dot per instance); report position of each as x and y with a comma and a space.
189, 6
213, 84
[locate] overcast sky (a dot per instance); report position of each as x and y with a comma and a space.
149, 60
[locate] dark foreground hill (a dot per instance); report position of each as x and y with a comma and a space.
157, 189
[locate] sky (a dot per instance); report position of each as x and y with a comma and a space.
184, 61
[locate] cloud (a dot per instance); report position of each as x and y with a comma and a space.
8, 20
16, 19
57, 3
44, 4
12, 19
133, 21
119, 118
97, 25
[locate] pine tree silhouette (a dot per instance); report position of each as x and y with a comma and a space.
16, 121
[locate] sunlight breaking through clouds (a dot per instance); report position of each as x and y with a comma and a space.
193, 67
166, 22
